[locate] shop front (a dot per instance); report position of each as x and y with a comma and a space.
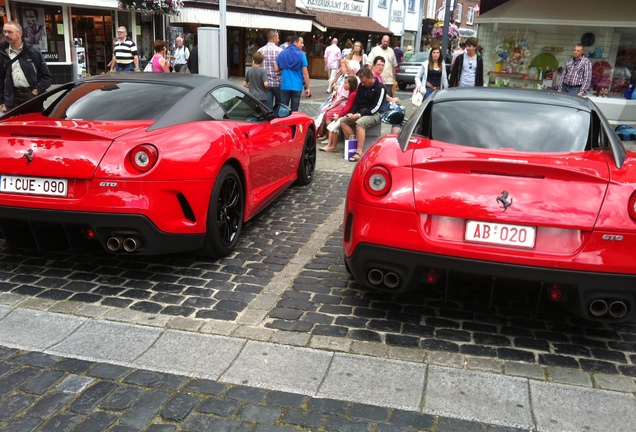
247, 27
77, 39
528, 42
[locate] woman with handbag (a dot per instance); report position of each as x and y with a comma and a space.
432, 74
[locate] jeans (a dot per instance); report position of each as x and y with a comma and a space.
125, 68
571, 89
273, 96
290, 98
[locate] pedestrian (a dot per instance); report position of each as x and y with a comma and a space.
256, 78
357, 54
432, 73
193, 60
347, 49
468, 70
332, 56
399, 54
408, 53
460, 50
365, 112
125, 57
287, 42
180, 57
23, 70
577, 74
270, 51
292, 63
385, 51
159, 61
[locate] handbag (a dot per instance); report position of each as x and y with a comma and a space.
350, 147
417, 97
148, 67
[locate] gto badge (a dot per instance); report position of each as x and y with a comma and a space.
503, 200
611, 237
29, 156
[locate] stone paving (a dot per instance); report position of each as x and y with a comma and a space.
286, 284
50, 393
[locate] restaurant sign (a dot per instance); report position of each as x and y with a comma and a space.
351, 7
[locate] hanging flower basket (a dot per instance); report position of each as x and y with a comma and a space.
164, 7
438, 31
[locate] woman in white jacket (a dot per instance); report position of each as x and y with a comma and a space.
432, 74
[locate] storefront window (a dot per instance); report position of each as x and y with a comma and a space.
94, 31
625, 66
42, 27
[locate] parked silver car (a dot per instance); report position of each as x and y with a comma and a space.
408, 69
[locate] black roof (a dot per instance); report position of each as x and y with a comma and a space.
513, 95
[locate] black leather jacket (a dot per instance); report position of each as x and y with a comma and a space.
33, 65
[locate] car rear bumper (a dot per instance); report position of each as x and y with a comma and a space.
48, 230
407, 270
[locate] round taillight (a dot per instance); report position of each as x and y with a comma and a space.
377, 181
143, 157
631, 206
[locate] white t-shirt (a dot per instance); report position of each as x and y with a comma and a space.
468, 72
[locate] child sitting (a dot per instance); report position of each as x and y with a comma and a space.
334, 115
340, 100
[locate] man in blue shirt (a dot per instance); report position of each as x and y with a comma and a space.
292, 62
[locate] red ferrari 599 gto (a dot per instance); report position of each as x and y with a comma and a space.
506, 183
146, 164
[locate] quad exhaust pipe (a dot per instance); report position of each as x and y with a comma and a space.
128, 244
615, 309
377, 277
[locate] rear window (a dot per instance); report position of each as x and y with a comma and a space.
116, 101
510, 125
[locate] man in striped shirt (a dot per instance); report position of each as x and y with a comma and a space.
577, 75
125, 58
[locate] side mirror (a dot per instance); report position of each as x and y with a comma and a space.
281, 111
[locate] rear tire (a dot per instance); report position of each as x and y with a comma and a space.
402, 85
307, 165
225, 214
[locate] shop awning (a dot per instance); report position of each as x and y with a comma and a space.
207, 16
330, 20
592, 13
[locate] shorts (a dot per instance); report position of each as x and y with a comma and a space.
365, 122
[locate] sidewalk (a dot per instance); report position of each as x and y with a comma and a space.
419, 387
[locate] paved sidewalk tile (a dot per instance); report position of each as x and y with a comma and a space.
107, 341
475, 396
564, 408
4, 311
370, 380
279, 367
35, 330
203, 356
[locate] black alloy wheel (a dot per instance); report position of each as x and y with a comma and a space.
225, 214
307, 165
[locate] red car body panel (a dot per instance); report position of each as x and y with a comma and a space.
576, 203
